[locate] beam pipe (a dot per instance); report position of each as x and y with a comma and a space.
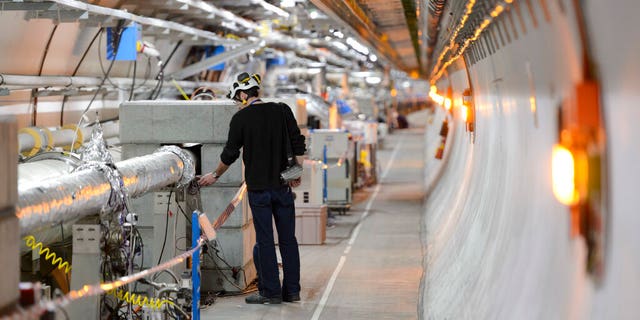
89, 191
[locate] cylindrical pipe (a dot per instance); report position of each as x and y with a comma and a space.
65, 137
19, 81
34, 172
48, 165
88, 192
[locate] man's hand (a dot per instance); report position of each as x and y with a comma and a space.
207, 180
295, 183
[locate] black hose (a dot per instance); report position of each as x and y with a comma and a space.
155, 93
166, 228
133, 80
84, 55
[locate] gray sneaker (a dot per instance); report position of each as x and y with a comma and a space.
256, 298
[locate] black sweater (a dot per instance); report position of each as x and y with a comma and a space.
259, 129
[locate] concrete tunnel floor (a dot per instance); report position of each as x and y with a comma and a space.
371, 264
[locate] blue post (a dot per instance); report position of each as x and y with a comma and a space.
195, 268
324, 174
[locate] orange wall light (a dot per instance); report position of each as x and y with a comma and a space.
464, 110
563, 171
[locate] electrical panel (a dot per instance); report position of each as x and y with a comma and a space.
336, 142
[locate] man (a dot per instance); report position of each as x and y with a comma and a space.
258, 128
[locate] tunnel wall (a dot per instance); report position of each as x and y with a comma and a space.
498, 245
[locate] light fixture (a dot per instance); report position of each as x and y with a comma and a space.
563, 174
439, 99
373, 57
576, 168
357, 46
433, 94
313, 14
447, 104
469, 112
464, 110
288, 3
373, 80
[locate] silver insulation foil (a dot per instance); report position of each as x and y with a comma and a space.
189, 172
97, 188
96, 149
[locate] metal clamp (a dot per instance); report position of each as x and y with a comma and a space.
188, 171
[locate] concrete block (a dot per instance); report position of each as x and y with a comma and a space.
236, 245
9, 225
222, 116
215, 199
10, 249
336, 141
144, 207
210, 160
8, 164
137, 150
213, 279
175, 121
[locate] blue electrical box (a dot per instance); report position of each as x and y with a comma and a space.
343, 107
276, 61
127, 49
214, 51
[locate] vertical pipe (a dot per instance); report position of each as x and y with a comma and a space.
195, 268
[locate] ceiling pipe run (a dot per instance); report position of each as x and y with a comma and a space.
35, 139
20, 81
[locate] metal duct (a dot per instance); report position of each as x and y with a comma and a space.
87, 192
47, 165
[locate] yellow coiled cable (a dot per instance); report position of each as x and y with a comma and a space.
49, 255
139, 300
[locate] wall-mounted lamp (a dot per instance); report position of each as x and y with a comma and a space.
576, 158
439, 99
468, 110
563, 171
578, 170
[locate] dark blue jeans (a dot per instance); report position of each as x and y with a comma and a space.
276, 203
